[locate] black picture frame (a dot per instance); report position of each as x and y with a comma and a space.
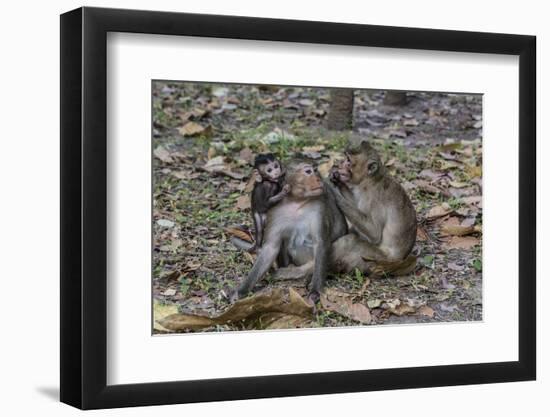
84, 207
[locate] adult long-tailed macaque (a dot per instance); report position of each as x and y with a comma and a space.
300, 229
382, 217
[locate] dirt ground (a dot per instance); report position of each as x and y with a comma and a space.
205, 137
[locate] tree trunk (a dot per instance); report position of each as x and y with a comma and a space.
395, 98
340, 113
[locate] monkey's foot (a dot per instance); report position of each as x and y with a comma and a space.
313, 298
234, 296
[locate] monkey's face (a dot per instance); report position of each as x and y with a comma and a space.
344, 170
361, 163
305, 182
271, 171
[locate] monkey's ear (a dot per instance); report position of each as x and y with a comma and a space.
372, 168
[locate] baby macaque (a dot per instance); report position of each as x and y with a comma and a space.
267, 192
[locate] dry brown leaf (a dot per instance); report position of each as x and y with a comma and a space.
450, 221
455, 267
181, 156
232, 174
316, 148
360, 313
334, 301
427, 187
474, 200
410, 122
458, 230
453, 227
185, 116
169, 292
170, 275
400, 133
193, 129
180, 322
426, 311
161, 153
469, 221
160, 311
276, 308
400, 308
431, 175
421, 234
246, 155
299, 306
445, 164
391, 162
451, 146
241, 234
243, 202
473, 171
214, 104
181, 175
438, 211
462, 242
196, 113
217, 165
211, 152
275, 321
458, 184
191, 266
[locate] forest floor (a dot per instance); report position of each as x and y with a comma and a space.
204, 140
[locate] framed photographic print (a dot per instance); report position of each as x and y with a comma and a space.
258, 208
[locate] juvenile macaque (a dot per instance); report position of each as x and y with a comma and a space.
382, 216
300, 229
267, 192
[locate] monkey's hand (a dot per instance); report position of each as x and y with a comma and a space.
279, 196
337, 192
257, 176
334, 175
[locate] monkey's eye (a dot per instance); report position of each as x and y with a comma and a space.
309, 171
269, 170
